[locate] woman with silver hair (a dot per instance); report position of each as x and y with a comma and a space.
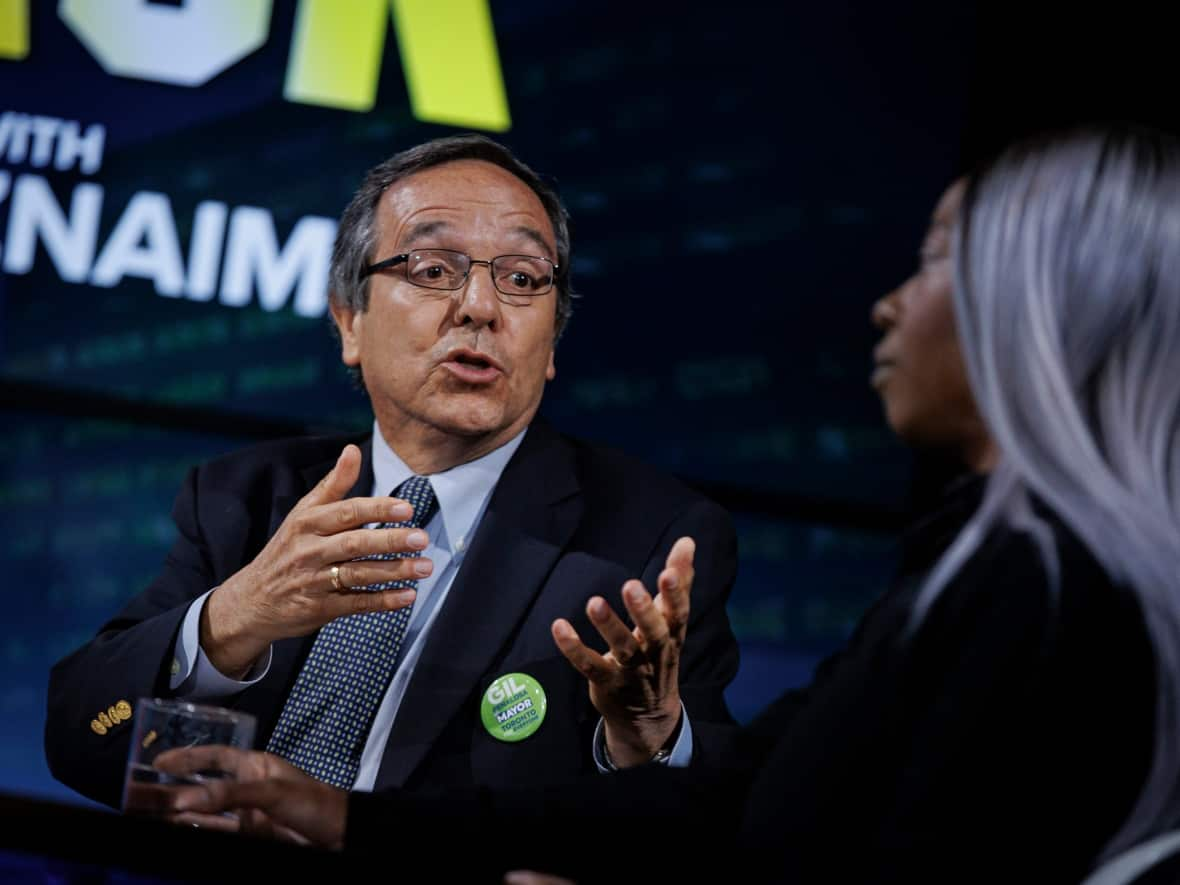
1067, 300
1009, 709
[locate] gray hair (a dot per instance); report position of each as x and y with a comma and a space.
356, 236
1067, 302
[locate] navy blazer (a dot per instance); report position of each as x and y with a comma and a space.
566, 521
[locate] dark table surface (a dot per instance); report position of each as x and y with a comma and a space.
44, 841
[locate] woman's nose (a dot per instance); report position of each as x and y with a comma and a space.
884, 312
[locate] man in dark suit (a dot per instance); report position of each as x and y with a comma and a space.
370, 631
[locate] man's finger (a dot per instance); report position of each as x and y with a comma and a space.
675, 582
359, 543
154, 799
366, 572
227, 795
185, 761
673, 597
359, 602
645, 613
256, 822
337, 516
339, 481
225, 823
286, 834
585, 660
680, 564
681, 555
610, 627
531, 877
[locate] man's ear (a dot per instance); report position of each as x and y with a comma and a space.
551, 369
349, 323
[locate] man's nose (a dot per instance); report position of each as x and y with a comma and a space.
478, 302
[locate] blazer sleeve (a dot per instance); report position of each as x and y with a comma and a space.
129, 658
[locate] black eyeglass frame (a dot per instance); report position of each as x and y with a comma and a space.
394, 261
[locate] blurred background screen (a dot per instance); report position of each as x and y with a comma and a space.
744, 178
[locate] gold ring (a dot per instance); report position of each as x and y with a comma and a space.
336, 578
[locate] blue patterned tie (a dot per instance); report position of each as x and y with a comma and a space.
326, 720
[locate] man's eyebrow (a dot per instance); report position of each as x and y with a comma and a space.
426, 229
531, 233
422, 230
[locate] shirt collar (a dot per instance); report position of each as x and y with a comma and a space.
462, 491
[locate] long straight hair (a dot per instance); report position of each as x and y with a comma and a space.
1067, 303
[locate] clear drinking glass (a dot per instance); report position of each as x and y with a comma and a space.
167, 724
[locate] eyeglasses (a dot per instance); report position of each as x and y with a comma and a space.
519, 277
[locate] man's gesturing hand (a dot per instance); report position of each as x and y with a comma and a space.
290, 589
635, 685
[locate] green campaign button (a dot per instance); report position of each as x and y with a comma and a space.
513, 707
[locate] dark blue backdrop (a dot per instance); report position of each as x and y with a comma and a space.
795, 148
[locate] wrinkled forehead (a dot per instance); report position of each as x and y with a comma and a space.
464, 200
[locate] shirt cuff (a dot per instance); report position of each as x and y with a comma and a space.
193, 674
679, 757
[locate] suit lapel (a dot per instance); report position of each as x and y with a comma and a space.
266, 698
529, 520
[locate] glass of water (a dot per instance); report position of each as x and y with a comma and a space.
166, 725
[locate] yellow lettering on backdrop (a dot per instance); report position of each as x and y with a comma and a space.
14, 28
335, 59
448, 53
452, 67
448, 49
